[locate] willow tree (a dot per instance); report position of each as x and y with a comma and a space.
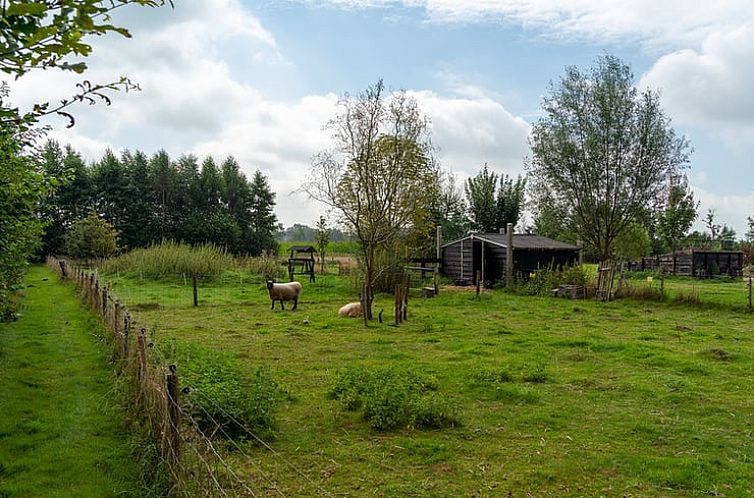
378, 175
603, 150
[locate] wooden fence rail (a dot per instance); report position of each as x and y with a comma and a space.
157, 405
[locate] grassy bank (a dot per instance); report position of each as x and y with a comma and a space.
556, 397
61, 434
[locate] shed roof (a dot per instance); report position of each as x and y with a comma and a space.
520, 241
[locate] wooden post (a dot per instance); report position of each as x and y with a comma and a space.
438, 256
581, 252
141, 349
478, 282
662, 282
509, 257
750, 294
174, 420
126, 336
196, 296
104, 303
364, 302
406, 287
63, 268
398, 311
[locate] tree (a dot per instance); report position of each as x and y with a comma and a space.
674, 221
43, 34
322, 239
633, 243
22, 186
603, 150
709, 222
376, 175
480, 195
448, 208
91, 237
510, 201
261, 237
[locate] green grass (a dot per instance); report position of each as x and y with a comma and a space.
556, 397
61, 433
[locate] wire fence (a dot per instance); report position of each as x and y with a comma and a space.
191, 459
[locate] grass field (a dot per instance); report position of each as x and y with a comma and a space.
61, 434
556, 397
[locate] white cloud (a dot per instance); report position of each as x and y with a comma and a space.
711, 87
194, 101
472, 131
730, 210
649, 21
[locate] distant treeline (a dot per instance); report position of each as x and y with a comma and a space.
149, 199
305, 233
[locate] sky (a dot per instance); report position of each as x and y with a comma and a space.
259, 81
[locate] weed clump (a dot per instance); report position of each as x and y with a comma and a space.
224, 400
391, 398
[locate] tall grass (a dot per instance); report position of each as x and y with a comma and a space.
171, 258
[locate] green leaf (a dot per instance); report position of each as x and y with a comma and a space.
26, 9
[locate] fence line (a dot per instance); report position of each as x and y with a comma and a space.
156, 405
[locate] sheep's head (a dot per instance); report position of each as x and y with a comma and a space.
270, 283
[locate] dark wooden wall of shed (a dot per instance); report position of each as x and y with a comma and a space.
727, 263
526, 261
455, 267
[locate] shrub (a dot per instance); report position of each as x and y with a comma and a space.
544, 280
168, 259
391, 398
225, 401
91, 237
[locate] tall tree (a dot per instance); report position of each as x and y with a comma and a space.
510, 201
709, 222
376, 174
679, 212
480, 196
264, 223
138, 228
603, 149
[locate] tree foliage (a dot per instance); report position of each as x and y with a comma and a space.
91, 237
377, 174
151, 199
322, 239
679, 212
602, 151
492, 207
47, 34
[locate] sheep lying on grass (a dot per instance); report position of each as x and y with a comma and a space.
284, 292
350, 310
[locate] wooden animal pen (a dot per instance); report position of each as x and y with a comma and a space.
698, 263
301, 262
484, 254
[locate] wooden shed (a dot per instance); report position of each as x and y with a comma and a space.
703, 263
486, 253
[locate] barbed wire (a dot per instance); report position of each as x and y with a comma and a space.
266, 445
269, 480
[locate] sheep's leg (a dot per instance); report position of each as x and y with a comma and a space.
273, 305
295, 304
282, 306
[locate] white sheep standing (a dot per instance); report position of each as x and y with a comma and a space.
284, 292
350, 310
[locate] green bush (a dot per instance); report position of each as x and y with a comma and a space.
544, 280
391, 398
91, 237
224, 400
168, 259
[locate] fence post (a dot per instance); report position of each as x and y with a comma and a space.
398, 302
141, 346
193, 282
126, 335
508, 256
173, 415
749, 293
478, 282
406, 287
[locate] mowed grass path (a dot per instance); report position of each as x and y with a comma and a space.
558, 398
60, 433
